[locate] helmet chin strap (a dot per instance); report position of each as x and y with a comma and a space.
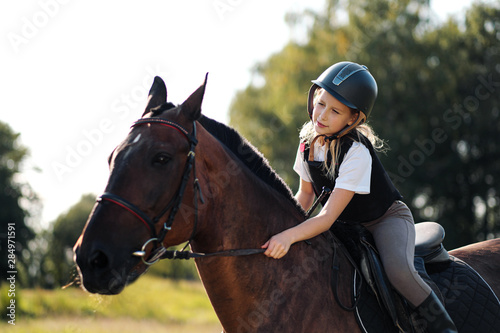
329, 138
361, 119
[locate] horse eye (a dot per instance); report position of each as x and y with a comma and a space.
161, 159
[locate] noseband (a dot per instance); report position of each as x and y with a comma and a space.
174, 203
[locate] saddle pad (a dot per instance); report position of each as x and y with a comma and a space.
469, 300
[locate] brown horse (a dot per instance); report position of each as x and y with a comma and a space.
484, 258
202, 182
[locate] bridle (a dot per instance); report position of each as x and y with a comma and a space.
174, 203
159, 251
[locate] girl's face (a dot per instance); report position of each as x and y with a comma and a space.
330, 116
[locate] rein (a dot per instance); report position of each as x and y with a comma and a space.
160, 252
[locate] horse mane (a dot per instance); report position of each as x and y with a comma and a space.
248, 155
243, 150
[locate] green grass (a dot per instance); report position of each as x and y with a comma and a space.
105, 325
150, 304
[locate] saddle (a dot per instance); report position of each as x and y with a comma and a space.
380, 308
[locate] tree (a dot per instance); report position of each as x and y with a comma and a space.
12, 194
58, 265
438, 103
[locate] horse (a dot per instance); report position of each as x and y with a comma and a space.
483, 258
181, 177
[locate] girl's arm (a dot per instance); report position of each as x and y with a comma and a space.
305, 194
280, 243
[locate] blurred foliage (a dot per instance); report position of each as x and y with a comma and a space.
58, 267
437, 108
148, 301
15, 199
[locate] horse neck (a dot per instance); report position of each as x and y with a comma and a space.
240, 210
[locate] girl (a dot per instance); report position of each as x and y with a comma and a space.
337, 150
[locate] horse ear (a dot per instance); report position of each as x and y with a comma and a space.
192, 106
157, 94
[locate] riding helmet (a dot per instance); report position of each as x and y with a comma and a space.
350, 83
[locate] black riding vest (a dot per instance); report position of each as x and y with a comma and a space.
362, 207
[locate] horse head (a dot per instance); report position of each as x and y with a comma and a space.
149, 174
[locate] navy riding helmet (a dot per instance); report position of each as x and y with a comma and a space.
350, 83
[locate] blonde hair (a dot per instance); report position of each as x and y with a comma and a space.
307, 134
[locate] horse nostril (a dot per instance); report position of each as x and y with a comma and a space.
98, 260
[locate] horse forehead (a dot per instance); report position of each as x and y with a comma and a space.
149, 135
136, 138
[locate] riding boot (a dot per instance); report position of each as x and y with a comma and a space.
432, 316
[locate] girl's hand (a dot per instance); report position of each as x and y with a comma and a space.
277, 246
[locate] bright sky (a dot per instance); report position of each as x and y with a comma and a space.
75, 74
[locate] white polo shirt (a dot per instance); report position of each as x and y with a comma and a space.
354, 172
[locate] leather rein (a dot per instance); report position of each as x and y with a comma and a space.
159, 251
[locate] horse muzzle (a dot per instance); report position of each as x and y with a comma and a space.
100, 275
